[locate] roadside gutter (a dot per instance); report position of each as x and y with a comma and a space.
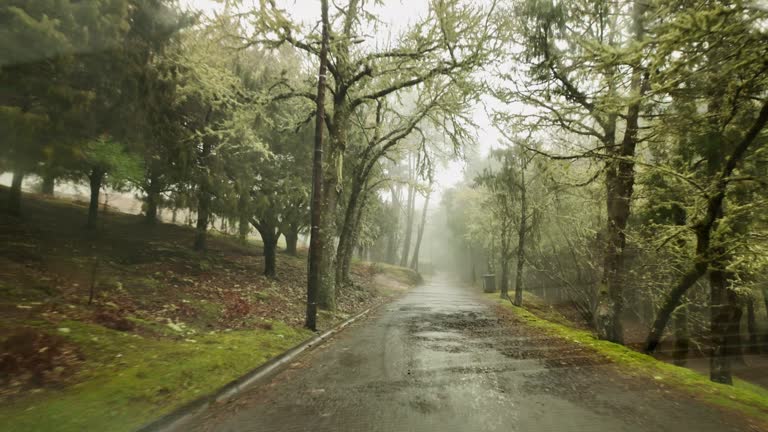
260, 375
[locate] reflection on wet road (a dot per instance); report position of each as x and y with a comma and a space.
439, 359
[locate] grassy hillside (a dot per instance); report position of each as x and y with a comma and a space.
165, 325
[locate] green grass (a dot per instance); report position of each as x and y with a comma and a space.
130, 380
743, 397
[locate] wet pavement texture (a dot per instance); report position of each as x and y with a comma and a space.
443, 359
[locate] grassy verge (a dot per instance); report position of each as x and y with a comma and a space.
743, 397
130, 378
139, 379
189, 322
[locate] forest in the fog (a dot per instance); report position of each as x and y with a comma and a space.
629, 181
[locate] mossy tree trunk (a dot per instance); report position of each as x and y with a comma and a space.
348, 243
619, 181
682, 336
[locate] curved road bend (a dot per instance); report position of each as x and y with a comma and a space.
438, 359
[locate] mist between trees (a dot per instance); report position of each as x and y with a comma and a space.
630, 179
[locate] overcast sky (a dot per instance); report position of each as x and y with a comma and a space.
398, 15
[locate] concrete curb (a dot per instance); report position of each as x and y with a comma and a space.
262, 373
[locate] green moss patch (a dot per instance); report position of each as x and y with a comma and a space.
130, 380
742, 396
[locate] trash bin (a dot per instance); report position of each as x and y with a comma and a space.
489, 283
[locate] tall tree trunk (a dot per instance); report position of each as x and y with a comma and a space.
153, 199
392, 238
243, 229
346, 259
521, 234
391, 255
519, 273
174, 212
331, 189
504, 292
349, 228
316, 247
420, 235
735, 341
14, 195
764, 291
243, 226
203, 214
95, 178
721, 317
620, 180
203, 201
334, 167
610, 295
291, 240
409, 214
326, 298
49, 182
697, 270
681, 330
269, 238
505, 257
754, 344
344, 265
270, 258
682, 336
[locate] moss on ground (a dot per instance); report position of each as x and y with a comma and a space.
743, 397
129, 380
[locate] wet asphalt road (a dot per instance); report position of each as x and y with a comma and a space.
438, 359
